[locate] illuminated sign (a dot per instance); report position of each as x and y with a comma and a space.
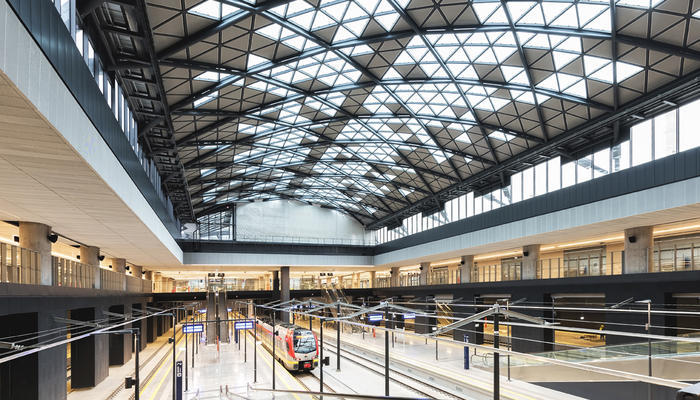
193, 328
375, 317
243, 325
409, 316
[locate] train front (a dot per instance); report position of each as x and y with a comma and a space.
304, 348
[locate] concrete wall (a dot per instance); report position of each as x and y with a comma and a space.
295, 219
22, 61
45, 373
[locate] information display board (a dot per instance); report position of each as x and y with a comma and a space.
243, 325
193, 328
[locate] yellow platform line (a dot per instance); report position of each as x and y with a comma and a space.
145, 386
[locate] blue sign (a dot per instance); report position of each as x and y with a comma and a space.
409, 316
193, 328
375, 317
241, 325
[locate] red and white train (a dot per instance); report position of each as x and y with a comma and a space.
296, 348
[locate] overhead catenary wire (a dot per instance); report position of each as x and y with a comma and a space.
40, 347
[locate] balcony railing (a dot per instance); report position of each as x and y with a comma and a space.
18, 265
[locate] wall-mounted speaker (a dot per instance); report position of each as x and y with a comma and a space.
526, 253
632, 239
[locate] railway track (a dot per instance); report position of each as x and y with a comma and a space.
420, 387
145, 362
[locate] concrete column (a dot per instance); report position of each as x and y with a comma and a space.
394, 279
120, 346
284, 290
424, 271
372, 279
465, 269
141, 324
90, 255
51, 363
275, 281
34, 236
639, 243
136, 271
119, 266
157, 282
355, 280
90, 355
531, 254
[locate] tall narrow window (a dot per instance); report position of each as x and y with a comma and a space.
665, 135
620, 156
528, 183
641, 143
554, 172
568, 174
540, 179
584, 169
516, 183
601, 163
688, 124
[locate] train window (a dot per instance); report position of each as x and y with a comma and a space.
304, 341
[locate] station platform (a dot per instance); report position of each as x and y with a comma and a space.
155, 373
414, 355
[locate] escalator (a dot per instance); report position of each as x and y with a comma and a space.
217, 310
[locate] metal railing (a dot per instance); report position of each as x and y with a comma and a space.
18, 265
69, 273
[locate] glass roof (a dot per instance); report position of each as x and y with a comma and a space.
374, 106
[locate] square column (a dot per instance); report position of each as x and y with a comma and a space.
90, 355
34, 236
465, 269
639, 243
372, 279
424, 271
284, 290
531, 254
120, 345
119, 266
275, 281
90, 255
394, 279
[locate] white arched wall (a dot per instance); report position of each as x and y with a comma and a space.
291, 220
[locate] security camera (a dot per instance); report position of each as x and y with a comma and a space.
102, 258
53, 238
632, 239
526, 253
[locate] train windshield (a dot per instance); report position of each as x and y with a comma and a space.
304, 341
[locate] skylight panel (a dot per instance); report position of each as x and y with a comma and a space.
518, 8
463, 138
568, 18
639, 3
214, 9
502, 136
697, 14
405, 192
562, 59
625, 70
254, 60
206, 171
211, 76
206, 99
484, 10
